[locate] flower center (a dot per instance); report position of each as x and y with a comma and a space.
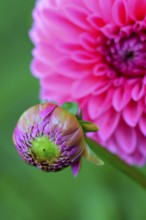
45, 150
127, 55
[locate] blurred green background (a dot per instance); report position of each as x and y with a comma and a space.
98, 193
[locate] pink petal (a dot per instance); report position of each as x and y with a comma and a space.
77, 16
112, 145
107, 124
142, 145
36, 34
84, 87
142, 124
39, 68
132, 113
50, 95
57, 23
95, 21
99, 104
101, 69
138, 91
102, 87
92, 5
40, 27
88, 42
137, 9
64, 3
110, 30
52, 82
138, 158
126, 138
119, 11
121, 98
66, 48
106, 9
81, 56
71, 69
51, 3
47, 53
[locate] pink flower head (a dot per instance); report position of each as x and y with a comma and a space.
94, 52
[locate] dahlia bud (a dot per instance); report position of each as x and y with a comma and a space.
51, 138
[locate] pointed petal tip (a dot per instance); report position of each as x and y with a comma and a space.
100, 162
75, 168
92, 157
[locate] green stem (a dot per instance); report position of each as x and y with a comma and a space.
117, 163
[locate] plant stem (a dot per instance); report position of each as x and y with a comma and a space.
117, 163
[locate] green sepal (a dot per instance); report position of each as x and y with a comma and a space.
79, 116
88, 126
71, 107
91, 156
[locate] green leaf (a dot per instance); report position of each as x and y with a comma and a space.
88, 126
72, 107
117, 163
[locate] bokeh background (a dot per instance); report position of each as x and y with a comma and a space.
98, 193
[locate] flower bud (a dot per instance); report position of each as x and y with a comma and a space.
50, 138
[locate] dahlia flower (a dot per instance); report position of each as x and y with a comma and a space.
51, 138
94, 53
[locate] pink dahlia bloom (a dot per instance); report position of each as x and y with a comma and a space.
94, 52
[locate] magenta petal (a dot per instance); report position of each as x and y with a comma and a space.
91, 5
142, 124
69, 68
142, 144
39, 68
121, 98
106, 11
77, 16
52, 82
55, 16
132, 113
137, 9
99, 104
83, 57
65, 48
75, 168
126, 138
120, 12
107, 124
85, 86
88, 42
112, 145
96, 21
138, 91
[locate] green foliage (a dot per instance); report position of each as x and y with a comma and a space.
117, 163
98, 193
